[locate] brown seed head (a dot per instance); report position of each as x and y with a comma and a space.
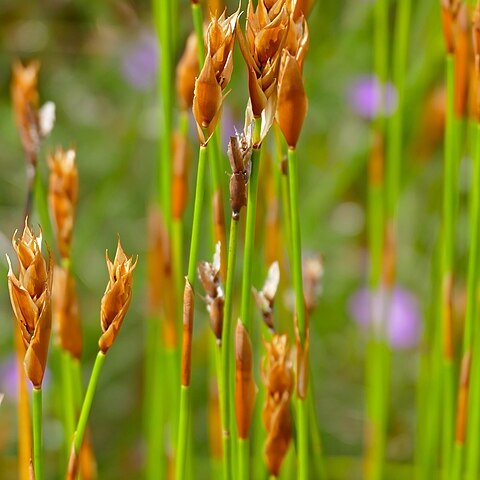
62, 196
66, 312
292, 101
215, 74
117, 296
302, 7
449, 9
312, 281
30, 296
187, 71
265, 35
279, 383
245, 388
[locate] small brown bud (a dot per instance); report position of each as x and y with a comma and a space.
266, 296
462, 62
245, 388
188, 310
62, 196
292, 101
239, 153
117, 296
65, 301
449, 11
30, 296
187, 71
312, 281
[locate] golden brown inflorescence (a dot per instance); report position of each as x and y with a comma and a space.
279, 382
245, 388
209, 274
33, 122
117, 296
30, 296
62, 196
215, 74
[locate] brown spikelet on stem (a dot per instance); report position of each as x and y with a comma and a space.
161, 292
462, 401
30, 296
462, 62
312, 270
215, 74
187, 71
117, 296
266, 296
181, 160
239, 153
210, 277
245, 388
66, 312
188, 310
449, 9
279, 381
62, 196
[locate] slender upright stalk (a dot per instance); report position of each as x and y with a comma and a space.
87, 402
37, 433
302, 410
227, 355
447, 250
198, 26
68, 398
184, 419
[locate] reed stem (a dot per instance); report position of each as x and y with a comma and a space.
198, 26
87, 402
37, 433
243, 458
68, 396
183, 431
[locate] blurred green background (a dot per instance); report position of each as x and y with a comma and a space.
99, 68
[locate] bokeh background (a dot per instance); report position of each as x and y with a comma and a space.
100, 66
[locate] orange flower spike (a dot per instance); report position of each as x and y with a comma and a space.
62, 196
245, 388
65, 304
292, 101
462, 62
215, 74
187, 71
117, 296
30, 296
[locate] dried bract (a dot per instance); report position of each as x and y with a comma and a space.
33, 123
239, 154
188, 310
266, 296
62, 196
209, 274
215, 74
312, 281
30, 296
66, 312
449, 10
117, 296
187, 72
279, 383
245, 388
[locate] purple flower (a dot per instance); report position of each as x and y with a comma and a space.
9, 378
365, 97
140, 61
403, 318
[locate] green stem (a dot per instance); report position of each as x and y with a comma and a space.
198, 25
161, 9
227, 355
245, 316
87, 401
183, 429
302, 442
243, 459
68, 396
37, 433
197, 214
